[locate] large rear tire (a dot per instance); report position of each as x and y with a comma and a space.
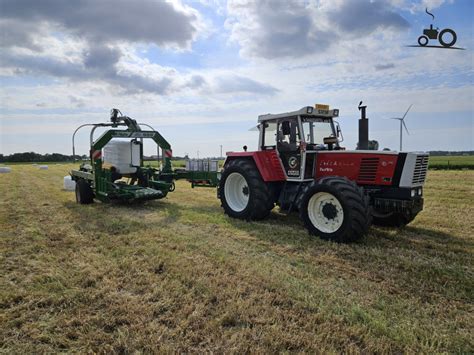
336, 209
453, 38
243, 193
84, 193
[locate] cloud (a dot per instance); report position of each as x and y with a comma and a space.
384, 66
95, 31
158, 22
17, 33
240, 84
361, 18
105, 64
96, 41
33, 64
100, 64
77, 101
271, 29
293, 29
101, 57
430, 4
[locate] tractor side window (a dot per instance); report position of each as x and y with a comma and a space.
269, 137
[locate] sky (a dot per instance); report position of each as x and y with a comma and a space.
201, 71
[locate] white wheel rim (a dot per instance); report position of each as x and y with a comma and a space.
236, 192
325, 212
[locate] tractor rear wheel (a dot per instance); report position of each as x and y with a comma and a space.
84, 193
391, 219
243, 193
336, 209
453, 37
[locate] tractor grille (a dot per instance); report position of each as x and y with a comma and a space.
368, 169
421, 166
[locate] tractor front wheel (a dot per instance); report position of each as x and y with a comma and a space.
84, 193
391, 219
423, 41
243, 193
335, 209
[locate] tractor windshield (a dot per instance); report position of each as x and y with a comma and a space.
316, 129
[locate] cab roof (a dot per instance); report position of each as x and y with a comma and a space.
307, 111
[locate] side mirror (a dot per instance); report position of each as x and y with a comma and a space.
285, 128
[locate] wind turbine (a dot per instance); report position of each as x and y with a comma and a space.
402, 122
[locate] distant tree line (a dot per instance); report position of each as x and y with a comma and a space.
32, 157
445, 152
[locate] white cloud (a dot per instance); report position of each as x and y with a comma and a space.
293, 29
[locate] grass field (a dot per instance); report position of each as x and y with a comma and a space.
178, 275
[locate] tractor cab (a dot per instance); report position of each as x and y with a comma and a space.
297, 136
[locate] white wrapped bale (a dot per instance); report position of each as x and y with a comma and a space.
5, 169
69, 183
43, 167
124, 155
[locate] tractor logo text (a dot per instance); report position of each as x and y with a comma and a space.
327, 163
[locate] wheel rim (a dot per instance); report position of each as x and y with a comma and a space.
236, 192
325, 212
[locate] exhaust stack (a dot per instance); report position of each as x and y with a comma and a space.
363, 143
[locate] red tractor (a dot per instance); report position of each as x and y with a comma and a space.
300, 166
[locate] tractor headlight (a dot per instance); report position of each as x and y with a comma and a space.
413, 193
420, 191
309, 109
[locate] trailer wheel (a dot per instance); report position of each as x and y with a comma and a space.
391, 219
84, 193
336, 209
243, 193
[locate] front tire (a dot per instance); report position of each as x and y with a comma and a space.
391, 219
243, 193
84, 193
423, 41
336, 209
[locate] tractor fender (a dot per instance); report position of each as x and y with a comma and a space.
267, 162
